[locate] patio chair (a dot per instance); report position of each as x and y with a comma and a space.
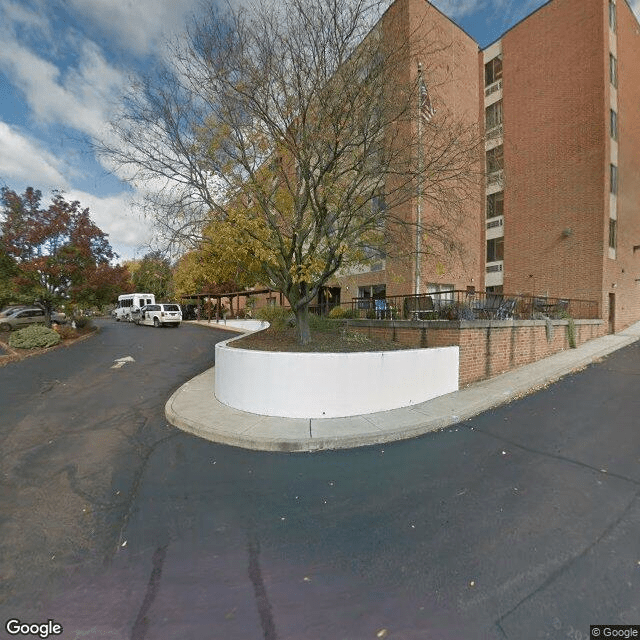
419, 307
506, 308
487, 308
381, 308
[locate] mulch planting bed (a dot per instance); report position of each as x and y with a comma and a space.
9, 354
324, 341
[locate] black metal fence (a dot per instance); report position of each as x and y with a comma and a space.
470, 305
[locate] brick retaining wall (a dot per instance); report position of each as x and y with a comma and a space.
487, 347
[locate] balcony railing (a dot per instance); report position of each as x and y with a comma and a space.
494, 132
492, 88
495, 177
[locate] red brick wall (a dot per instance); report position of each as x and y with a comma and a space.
450, 68
625, 269
554, 150
450, 64
486, 349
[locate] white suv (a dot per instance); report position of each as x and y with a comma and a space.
158, 315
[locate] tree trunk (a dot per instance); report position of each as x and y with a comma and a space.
302, 322
48, 309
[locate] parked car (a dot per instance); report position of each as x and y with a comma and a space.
22, 317
158, 315
28, 315
7, 311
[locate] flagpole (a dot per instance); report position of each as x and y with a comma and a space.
419, 186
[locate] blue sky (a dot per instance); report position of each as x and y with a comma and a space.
63, 65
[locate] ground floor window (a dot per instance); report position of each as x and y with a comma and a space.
433, 287
371, 292
441, 293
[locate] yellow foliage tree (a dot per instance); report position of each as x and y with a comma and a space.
291, 127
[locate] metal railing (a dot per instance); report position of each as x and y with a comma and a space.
470, 305
461, 305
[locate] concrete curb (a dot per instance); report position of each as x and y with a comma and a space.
194, 408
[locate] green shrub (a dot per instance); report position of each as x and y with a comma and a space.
339, 313
320, 323
82, 322
279, 318
34, 336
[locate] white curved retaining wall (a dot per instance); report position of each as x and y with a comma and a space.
243, 325
331, 385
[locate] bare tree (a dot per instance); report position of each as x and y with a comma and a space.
296, 123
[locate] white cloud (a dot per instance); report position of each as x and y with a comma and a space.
116, 216
459, 8
80, 99
139, 25
19, 14
25, 162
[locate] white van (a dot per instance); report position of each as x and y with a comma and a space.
159, 315
130, 302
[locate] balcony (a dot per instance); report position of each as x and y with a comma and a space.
494, 132
492, 88
495, 178
495, 227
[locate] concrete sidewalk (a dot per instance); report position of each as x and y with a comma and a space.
194, 407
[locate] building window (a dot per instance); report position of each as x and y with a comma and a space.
613, 70
495, 204
613, 20
493, 115
495, 159
493, 71
369, 293
613, 182
441, 293
614, 125
495, 249
613, 233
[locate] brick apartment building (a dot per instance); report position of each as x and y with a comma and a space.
558, 98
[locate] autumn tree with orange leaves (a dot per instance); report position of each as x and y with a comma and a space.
59, 255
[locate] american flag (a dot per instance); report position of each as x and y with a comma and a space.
426, 108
